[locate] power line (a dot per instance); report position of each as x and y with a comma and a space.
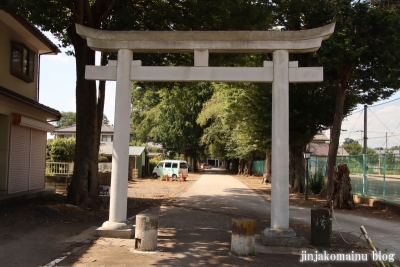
370, 132
384, 103
372, 106
385, 125
353, 126
376, 132
354, 112
382, 136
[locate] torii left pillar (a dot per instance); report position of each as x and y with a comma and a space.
117, 225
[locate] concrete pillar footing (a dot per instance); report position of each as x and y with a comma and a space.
280, 237
116, 230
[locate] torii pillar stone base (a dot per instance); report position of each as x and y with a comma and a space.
280, 238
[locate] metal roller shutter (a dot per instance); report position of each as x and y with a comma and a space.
38, 159
18, 179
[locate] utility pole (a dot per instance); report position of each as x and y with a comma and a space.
365, 130
365, 165
386, 142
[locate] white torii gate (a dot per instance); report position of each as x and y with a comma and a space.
279, 71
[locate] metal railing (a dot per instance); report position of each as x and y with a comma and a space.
104, 166
67, 168
59, 168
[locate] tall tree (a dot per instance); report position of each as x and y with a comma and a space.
362, 62
68, 118
237, 121
169, 116
59, 17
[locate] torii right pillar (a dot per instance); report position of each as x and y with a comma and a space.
279, 234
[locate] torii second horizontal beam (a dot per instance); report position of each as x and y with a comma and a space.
199, 74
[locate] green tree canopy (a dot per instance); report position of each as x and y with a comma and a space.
348, 141
168, 116
353, 148
68, 118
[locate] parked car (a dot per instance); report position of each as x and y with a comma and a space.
205, 166
172, 168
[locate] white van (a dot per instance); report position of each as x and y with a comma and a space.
174, 169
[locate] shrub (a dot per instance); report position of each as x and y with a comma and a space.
316, 182
62, 150
153, 162
103, 159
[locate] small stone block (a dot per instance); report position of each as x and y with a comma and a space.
243, 238
201, 58
321, 226
146, 231
123, 233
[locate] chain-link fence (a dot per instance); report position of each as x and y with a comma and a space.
375, 176
258, 167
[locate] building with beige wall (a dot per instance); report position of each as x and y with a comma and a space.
24, 122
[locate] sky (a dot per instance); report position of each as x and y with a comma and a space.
57, 90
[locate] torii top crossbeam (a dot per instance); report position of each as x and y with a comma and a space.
304, 41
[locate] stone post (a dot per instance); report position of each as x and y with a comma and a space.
146, 231
243, 239
321, 225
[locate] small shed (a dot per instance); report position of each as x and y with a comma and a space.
137, 159
319, 148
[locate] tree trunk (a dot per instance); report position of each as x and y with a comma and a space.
194, 164
235, 165
334, 142
297, 168
341, 193
291, 172
228, 163
336, 127
84, 186
240, 167
249, 165
267, 168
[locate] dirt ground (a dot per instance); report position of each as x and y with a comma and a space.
48, 210
142, 193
